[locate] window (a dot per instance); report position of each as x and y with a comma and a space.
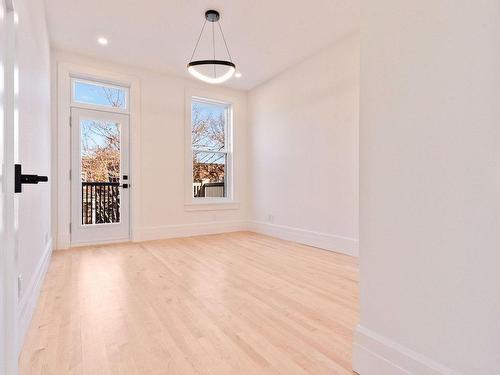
100, 94
211, 149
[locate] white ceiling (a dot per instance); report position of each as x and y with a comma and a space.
264, 36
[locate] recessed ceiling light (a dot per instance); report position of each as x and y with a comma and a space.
238, 75
102, 41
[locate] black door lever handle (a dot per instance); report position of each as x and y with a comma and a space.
20, 179
33, 179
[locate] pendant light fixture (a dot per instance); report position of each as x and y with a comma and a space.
212, 70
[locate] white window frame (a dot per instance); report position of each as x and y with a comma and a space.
209, 203
101, 107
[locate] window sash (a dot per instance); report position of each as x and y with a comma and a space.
209, 151
227, 119
210, 162
226, 152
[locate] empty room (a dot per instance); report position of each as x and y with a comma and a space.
194, 187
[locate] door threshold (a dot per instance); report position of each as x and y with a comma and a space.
104, 242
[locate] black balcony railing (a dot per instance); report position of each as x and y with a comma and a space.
100, 202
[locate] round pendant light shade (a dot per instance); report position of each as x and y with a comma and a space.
212, 70
197, 68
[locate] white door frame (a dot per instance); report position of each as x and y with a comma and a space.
9, 125
99, 233
65, 71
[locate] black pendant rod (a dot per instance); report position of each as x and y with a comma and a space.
213, 46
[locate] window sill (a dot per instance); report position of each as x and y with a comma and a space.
212, 206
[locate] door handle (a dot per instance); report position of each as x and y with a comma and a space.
20, 178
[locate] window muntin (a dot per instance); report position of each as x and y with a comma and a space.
210, 130
100, 95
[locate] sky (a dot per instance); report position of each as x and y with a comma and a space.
207, 108
94, 94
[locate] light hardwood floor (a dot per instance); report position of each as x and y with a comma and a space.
238, 303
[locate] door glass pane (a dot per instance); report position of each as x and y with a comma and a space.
100, 166
209, 171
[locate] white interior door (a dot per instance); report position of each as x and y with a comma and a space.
100, 181
8, 200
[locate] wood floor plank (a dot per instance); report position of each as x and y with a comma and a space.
238, 303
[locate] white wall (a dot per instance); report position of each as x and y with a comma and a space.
429, 188
34, 153
304, 150
160, 209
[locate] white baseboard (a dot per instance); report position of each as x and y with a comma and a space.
374, 354
186, 230
27, 304
325, 241
63, 241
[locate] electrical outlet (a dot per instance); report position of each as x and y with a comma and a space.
270, 218
19, 285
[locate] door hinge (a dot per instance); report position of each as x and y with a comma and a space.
70, 228
70, 121
70, 174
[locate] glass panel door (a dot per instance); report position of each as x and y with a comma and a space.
100, 179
